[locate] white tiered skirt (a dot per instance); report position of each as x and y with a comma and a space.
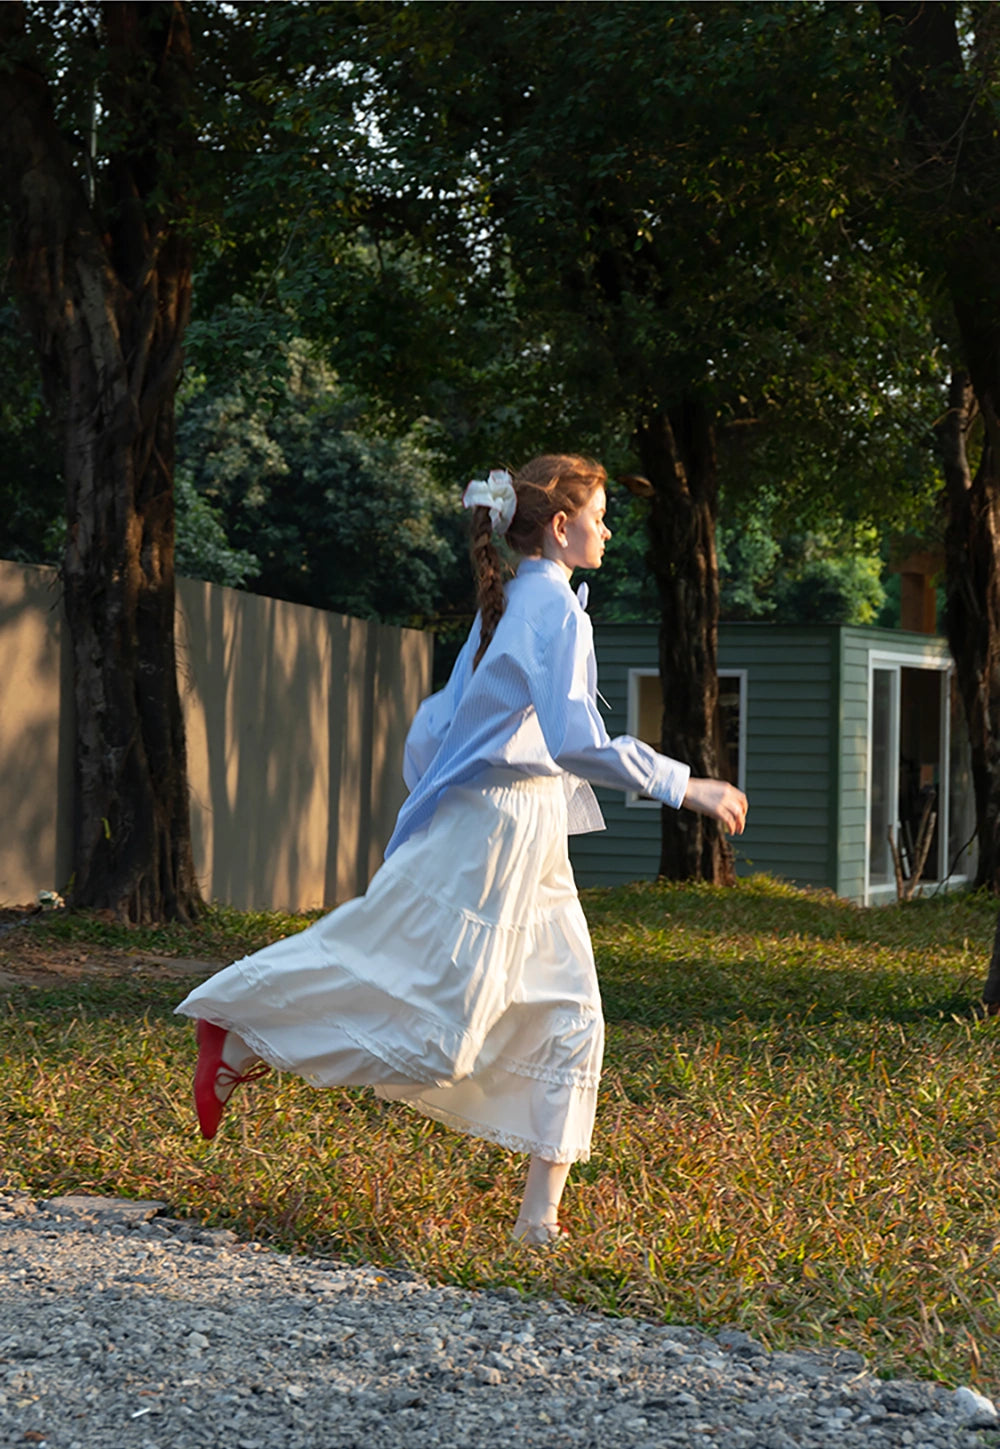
462, 982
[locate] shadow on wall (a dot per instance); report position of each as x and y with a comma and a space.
295, 722
35, 735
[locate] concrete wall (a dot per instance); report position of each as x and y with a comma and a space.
295, 726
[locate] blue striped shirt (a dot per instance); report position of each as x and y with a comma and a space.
530, 706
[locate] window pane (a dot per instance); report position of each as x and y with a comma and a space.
727, 728
646, 720
650, 721
919, 765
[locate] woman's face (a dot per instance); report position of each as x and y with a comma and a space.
585, 534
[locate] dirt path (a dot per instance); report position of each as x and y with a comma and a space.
30, 959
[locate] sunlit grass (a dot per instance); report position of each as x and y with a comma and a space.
797, 1131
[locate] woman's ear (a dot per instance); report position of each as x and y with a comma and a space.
558, 526
554, 536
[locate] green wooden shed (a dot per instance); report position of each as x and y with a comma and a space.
838, 734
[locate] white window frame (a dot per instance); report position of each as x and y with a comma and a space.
895, 663
635, 801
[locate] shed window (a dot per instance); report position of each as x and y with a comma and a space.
645, 713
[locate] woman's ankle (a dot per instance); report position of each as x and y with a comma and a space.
534, 1233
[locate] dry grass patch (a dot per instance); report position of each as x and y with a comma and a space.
797, 1129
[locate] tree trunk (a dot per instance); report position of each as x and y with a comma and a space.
972, 553
678, 457
972, 616
132, 836
991, 990
950, 215
106, 290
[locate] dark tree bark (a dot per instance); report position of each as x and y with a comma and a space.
991, 990
105, 286
972, 617
677, 449
948, 194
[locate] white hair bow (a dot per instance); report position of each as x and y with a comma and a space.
495, 493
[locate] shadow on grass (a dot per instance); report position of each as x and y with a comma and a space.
668, 955
673, 955
763, 905
104, 997
681, 993
692, 993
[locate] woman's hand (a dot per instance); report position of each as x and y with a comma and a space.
720, 800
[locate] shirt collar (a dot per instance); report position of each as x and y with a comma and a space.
542, 566
550, 569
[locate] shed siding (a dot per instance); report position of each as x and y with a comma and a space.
806, 751
630, 847
790, 749
790, 734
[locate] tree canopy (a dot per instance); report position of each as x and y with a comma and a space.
647, 198
711, 243
331, 516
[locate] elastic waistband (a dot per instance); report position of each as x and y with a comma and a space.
498, 777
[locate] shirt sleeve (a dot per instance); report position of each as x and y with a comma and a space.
434, 716
563, 687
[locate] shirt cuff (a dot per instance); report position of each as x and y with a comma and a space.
670, 781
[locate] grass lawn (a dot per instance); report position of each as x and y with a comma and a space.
797, 1131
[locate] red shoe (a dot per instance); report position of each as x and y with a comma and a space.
212, 1069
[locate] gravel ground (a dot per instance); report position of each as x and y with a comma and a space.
122, 1329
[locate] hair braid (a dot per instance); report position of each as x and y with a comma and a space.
489, 578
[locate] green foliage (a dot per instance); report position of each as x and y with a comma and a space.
828, 573
625, 589
32, 504
202, 549
820, 587
334, 515
657, 197
748, 556
531, 231
795, 1111
32, 498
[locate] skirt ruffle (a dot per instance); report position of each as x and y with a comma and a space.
461, 983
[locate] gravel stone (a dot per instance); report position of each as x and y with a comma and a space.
119, 1326
979, 1411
